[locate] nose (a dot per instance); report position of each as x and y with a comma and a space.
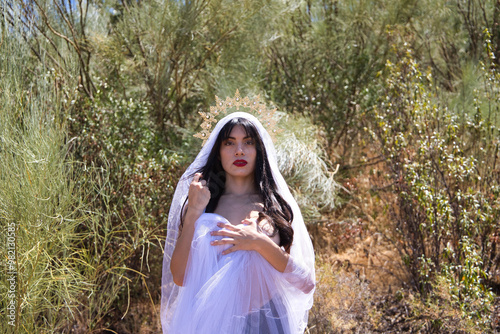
239, 150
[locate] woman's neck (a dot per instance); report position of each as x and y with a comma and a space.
239, 186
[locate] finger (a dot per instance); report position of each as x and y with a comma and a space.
230, 250
247, 221
197, 177
223, 241
224, 233
230, 227
203, 182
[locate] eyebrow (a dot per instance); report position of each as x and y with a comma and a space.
247, 137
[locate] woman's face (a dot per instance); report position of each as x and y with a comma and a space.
238, 153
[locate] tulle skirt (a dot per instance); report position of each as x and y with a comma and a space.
235, 293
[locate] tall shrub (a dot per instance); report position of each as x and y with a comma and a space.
443, 167
40, 205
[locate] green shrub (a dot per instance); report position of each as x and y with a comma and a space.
444, 171
41, 207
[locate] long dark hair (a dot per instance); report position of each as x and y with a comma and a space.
276, 209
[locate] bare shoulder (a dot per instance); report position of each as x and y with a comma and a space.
266, 226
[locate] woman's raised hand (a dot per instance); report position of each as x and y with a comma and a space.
199, 194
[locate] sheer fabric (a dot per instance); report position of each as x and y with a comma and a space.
239, 292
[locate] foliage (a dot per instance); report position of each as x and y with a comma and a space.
130, 198
40, 203
305, 167
103, 103
56, 33
444, 171
321, 64
178, 54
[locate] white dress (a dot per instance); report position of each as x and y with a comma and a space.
236, 293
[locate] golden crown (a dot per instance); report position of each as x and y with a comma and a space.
255, 105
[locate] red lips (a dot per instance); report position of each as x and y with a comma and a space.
240, 163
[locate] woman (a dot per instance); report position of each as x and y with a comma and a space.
238, 258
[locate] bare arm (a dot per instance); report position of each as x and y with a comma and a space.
199, 195
182, 247
276, 256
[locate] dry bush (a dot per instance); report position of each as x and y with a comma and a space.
342, 301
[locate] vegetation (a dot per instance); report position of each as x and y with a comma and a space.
40, 204
391, 112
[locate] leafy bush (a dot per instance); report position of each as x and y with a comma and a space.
130, 194
323, 62
443, 168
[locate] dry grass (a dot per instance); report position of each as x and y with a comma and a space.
142, 319
359, 235
342, 301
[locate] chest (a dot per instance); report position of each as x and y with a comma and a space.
235, 210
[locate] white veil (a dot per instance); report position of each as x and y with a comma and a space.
300, 269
